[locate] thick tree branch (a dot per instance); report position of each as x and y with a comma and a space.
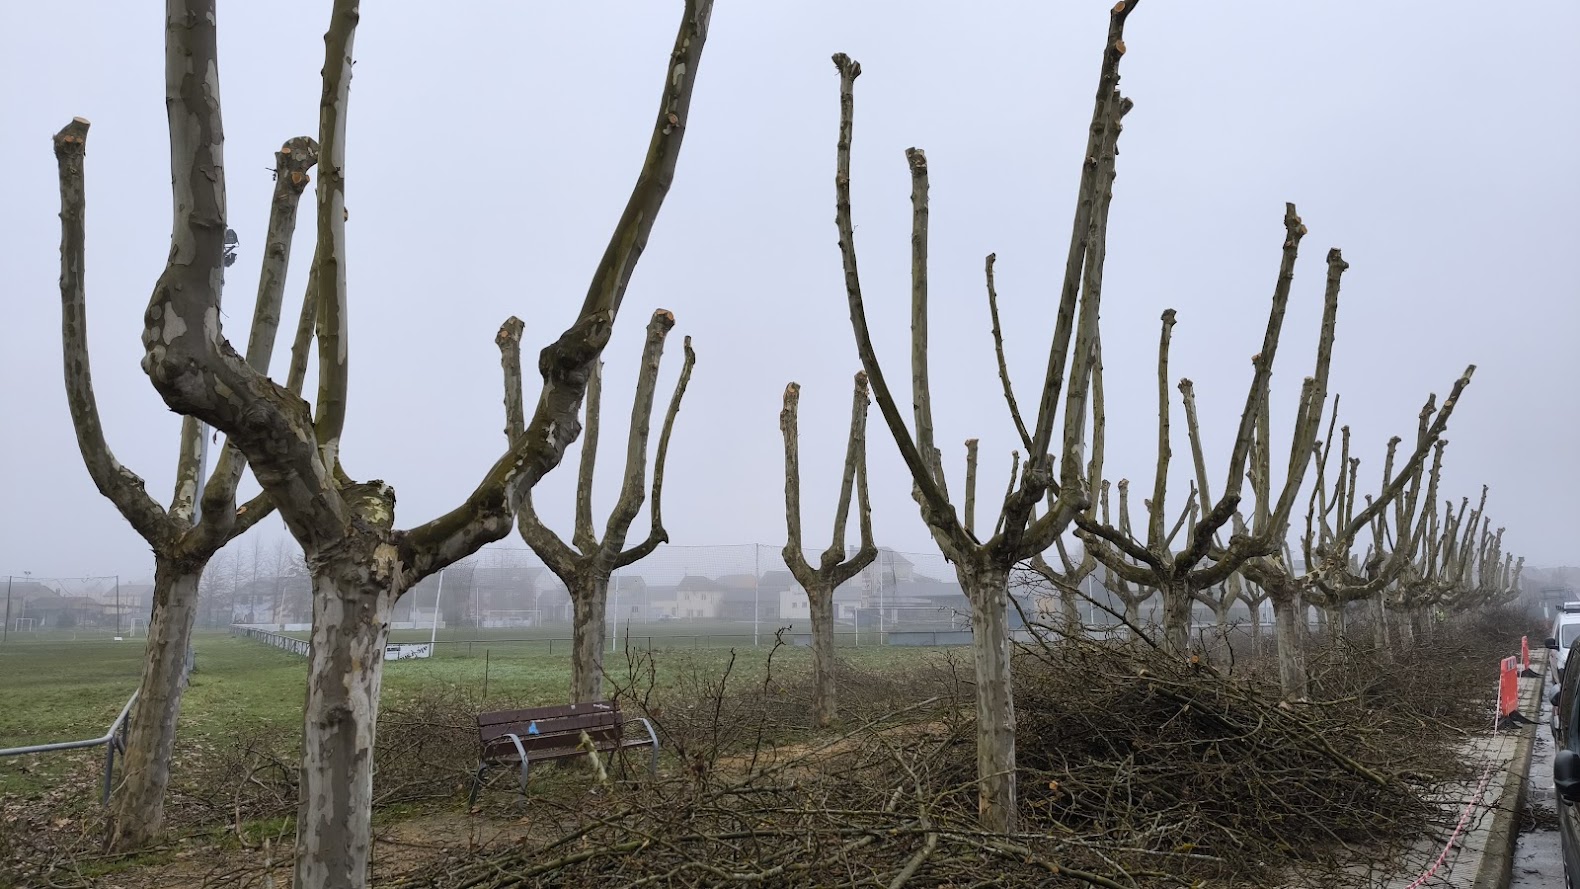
583, 537
971, 486
1081, 229
565, 365
921, 390
656, 533
509, 342
292, 166
1160, 483
119, 484
329, 269
938, 513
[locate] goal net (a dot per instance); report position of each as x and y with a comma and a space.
24, 624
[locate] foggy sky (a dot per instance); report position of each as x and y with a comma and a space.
490, 151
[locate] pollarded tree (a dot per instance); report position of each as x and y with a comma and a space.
586, 564
833, 567
1178, 575
202, 516
983, 567
360, 564
1332, 525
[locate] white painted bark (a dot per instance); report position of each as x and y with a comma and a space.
588, 604
334, 837
139, 804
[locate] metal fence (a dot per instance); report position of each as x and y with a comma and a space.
114, 741
288, 643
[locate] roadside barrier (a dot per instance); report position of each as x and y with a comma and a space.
1525, 660
1509, 715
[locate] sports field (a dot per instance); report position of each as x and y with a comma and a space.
56, 689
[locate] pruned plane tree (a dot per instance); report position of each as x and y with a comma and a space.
834, 566
983, 566
359, 562
202, 516
586, 563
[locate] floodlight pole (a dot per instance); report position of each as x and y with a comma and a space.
5, 632
757, 570
117, 604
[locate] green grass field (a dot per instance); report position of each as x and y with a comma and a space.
59, 690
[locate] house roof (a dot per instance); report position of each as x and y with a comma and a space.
776, 581
696, 583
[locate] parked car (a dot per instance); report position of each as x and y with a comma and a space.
1566, 773
1566, 630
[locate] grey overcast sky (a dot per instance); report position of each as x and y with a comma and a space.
491, 149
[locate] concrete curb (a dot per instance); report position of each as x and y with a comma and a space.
1497, 861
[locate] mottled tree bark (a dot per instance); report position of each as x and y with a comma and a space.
182, 541
589, 604
145, 768
351, 608
359, 563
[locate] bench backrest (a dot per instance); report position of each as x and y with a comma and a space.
547, 728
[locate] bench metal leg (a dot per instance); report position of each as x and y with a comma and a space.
652, 766
522, 752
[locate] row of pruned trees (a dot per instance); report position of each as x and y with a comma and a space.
1220, 548
1218, 545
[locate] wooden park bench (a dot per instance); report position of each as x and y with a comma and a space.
536, 734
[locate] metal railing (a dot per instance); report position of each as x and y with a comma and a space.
113, 740
287, 643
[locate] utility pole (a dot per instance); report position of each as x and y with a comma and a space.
5, 632
757, 570
117, 604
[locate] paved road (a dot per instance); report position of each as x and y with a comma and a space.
1538, 861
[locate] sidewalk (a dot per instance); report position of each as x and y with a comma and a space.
1479, 857
1486, 808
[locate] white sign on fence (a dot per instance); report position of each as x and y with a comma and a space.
400, 651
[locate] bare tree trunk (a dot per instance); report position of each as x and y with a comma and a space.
1177, 607
1380, 625
820, 600
1221, 621
1071, 613
1133, 618
1333, 620
589, 605
1287, 637
139, 812
345, 669
988, 589
1406, 630
1256, 628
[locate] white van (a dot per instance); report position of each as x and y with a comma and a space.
1566, 630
